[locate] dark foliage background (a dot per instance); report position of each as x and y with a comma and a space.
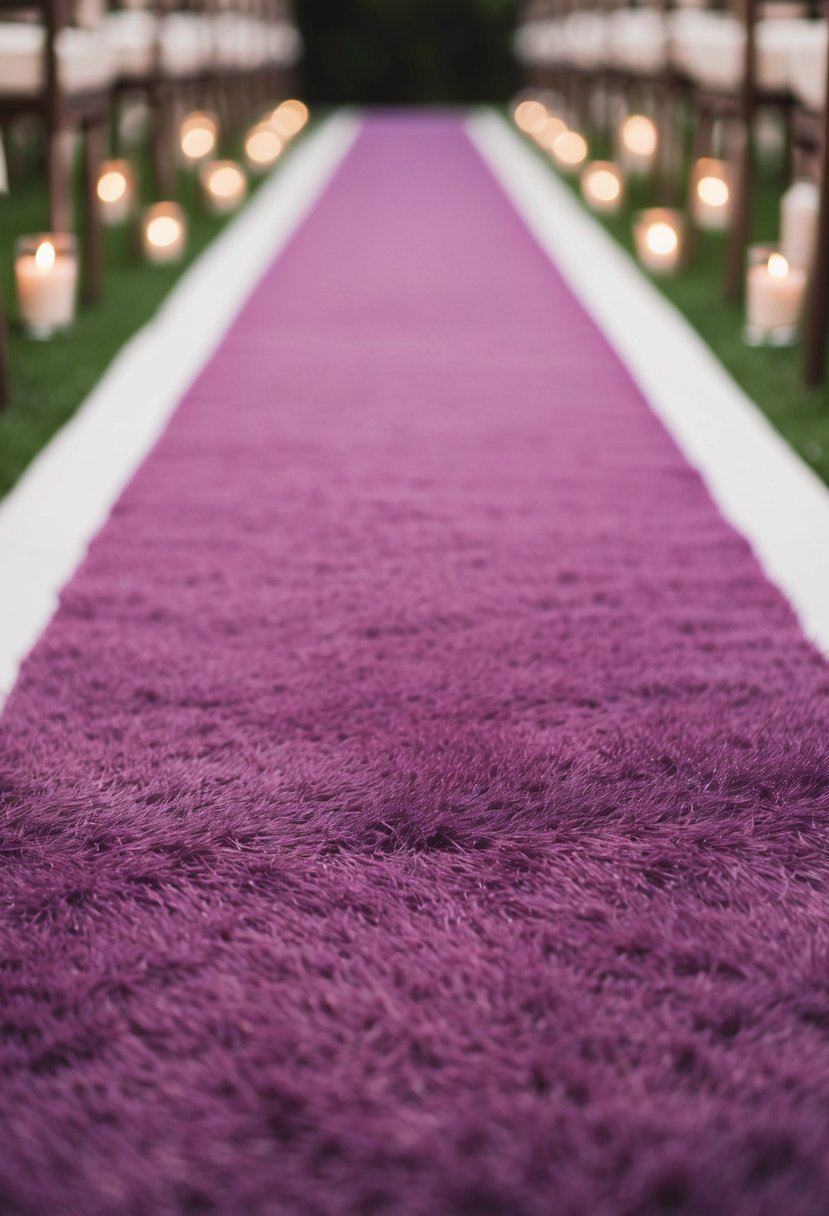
405, 51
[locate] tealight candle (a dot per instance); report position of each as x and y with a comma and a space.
569, 151
547, 134
198, 135
46, 277
224, 186
711, 194
263, 147
116, 191
529, 115
658, 234
799, 211
164, 233
602, 187
638, 140
775, 295
289, 118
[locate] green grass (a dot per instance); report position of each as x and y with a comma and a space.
49, 380
772, 378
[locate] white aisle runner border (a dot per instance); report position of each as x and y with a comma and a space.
759, 484
67, 493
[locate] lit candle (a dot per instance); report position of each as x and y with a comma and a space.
638, 140
602, 187
711, 198
164, 233
224, 186
198, 135
658, 235
775, 294
263, 147
529, 115
548, 132
798, 223
46, 276
116, 191
289, 118
569, 151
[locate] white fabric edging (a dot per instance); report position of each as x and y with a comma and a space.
760, 485
65, 496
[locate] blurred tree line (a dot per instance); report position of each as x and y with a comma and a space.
405, 51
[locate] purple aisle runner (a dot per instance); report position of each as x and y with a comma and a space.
419, 804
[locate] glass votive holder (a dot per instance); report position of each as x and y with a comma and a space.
198, 136
164, 233
46, 279
659, 237
603, 187
775, 297
712, 194
116, 192
637, 144
224, 186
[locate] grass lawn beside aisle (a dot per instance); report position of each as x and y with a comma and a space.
772, 378
49, 380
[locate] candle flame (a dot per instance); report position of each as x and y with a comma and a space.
570, 148
263, 146
112, 185
198, 134
289, 118
226, 181
530, 116
163, 231
603, 185
661, 238
778, 266
639, 135
44, 257
713, 191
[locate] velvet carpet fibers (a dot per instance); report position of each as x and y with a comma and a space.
419, 802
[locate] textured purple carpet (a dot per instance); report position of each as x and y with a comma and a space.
419, 805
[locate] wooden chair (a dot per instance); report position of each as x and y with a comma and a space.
42, 88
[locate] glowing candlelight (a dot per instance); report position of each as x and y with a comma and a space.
224, 186
638, 142
711, 198
775, 294
569, 150
116, 191
530, 115
548, 132
46, 277
658, 234
263, 147
289, 118
164, 233
602, 187
198, 135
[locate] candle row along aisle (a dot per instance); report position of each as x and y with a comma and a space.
776, 276
46, 264
700, 94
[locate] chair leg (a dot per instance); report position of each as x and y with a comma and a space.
741, 227
4, 373
94, 146
59, 170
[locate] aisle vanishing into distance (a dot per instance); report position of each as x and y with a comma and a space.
419, 803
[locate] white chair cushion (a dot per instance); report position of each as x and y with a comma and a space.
185, 44
85, 63
585, 36
637, 40
131, 37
